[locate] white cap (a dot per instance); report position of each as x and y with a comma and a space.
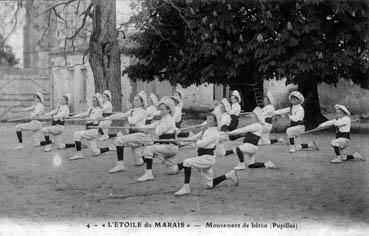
259, 115
169, 103
297, 95
342, 108
143, 95
154, 99
237, 95
39, 94
107, 93
99, 99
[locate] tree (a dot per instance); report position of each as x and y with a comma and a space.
244, 42
103, 49
7, 57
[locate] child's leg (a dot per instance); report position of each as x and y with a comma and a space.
248, 149
338, 145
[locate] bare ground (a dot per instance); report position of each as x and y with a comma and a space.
306, 189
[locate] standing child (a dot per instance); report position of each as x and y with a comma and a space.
249, 147
205, 159
165, 128
57, 126
343, 125
296, 114
136, 118
35, 125
93, 116
235, 110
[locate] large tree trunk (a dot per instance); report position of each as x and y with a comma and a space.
313, 115
104, 54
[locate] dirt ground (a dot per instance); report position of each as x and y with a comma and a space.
305, 189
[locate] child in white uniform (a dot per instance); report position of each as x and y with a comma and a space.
296, 114
249, 147
35, 125
94, 115
343, 125
235, 110
57, 126
268, 112
136, 119
205, 159
164, 129
107, 111
152, 109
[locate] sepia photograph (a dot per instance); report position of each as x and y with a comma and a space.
178, 117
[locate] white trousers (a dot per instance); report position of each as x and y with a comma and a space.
249, 150
205, 163
341, 143
265, 135
295, 131
104, 124
130, 140
90, 136
166, 153
33, 126
55, 131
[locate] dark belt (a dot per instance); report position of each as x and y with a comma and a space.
147, 122
131, 131
268, 120
205, 151
106, 114
57, 122
90, 125
296, 123
224, 128
343, 135
178, 124
166, 136
234, 123
251, 138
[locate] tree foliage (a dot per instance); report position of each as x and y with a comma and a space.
229, 42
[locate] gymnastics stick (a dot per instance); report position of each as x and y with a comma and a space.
119, 127
325, 127
164, 140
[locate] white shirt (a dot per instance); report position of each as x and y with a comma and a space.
107, 107
95, 114
255, 128
166, 125
224, 119
235, 109
209, 138
343, 124
60, 113
298, 112
137, 117
178, 113
268, 110
38, 109
151, 111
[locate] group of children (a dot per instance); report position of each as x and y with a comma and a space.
152, 120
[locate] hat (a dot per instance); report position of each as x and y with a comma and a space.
259, 115
99, 99
226, 104
68, 96
176, 99
143, 96
297, 95
154, 99
40, 96
107, 93
270, 97
169, 103
342, 108
237, 95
